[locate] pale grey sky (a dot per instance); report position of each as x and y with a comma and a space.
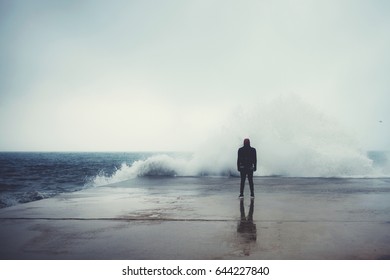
165, 75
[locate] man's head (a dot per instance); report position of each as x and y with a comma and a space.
247, 142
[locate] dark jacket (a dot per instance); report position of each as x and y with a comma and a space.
246, 159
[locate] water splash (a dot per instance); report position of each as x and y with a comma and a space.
291, 137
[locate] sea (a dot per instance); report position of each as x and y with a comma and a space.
31, 176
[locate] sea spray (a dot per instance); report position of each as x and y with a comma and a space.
156, 165
291, 137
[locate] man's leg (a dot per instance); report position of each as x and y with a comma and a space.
250, 179
242, 184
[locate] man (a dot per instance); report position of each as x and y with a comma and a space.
246, 165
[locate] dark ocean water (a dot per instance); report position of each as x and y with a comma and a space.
26, 177
30, 176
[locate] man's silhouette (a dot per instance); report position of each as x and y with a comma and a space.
246, 165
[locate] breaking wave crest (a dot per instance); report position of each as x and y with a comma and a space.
157, 165
292, 139
161, 165
169, 166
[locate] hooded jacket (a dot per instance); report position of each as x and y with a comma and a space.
247, 158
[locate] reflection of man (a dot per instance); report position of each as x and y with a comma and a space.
246, 228
246, 225
246, 165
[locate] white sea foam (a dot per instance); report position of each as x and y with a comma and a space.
157, 165
291, 138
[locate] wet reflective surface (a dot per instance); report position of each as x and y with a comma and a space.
246, 228
201, 218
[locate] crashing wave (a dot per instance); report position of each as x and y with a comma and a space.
292, 139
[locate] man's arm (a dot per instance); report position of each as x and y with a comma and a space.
255, 160
238, 160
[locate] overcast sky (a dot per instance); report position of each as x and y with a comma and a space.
164, 75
